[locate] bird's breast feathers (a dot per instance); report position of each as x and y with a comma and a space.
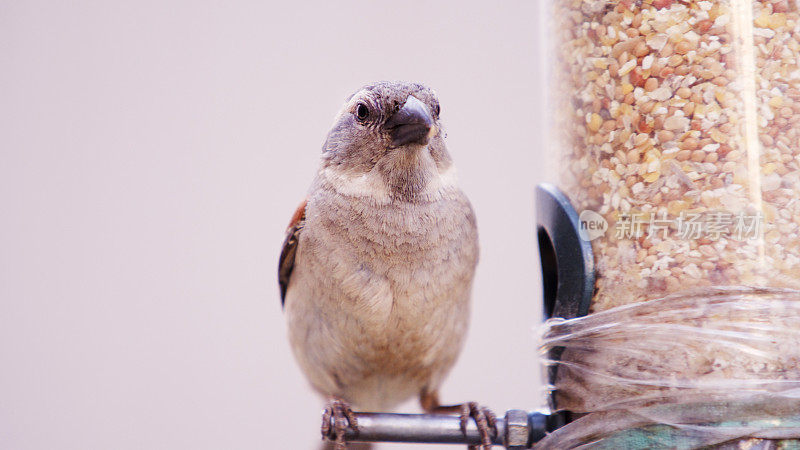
357, 246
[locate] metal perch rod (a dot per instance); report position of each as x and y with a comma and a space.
517, 430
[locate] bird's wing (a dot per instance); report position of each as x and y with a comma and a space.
289, 250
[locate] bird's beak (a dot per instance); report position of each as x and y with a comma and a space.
412, 124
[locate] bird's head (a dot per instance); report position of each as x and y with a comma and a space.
388, 134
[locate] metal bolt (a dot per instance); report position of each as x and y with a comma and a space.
517, 430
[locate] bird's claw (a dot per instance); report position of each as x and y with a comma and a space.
485, 420
343, 418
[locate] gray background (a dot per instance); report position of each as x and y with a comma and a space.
151, 154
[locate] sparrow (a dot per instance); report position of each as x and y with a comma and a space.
376, 270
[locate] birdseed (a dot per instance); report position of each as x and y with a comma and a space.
675, 109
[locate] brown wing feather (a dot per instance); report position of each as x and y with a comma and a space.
289, 250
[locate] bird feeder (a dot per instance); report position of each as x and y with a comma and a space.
670, 240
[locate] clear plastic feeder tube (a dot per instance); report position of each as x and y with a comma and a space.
678, 123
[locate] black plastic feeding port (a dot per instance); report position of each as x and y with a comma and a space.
567, 261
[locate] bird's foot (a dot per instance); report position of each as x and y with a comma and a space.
343, 418
485, 420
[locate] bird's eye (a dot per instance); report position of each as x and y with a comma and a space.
436, 109
362, 112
